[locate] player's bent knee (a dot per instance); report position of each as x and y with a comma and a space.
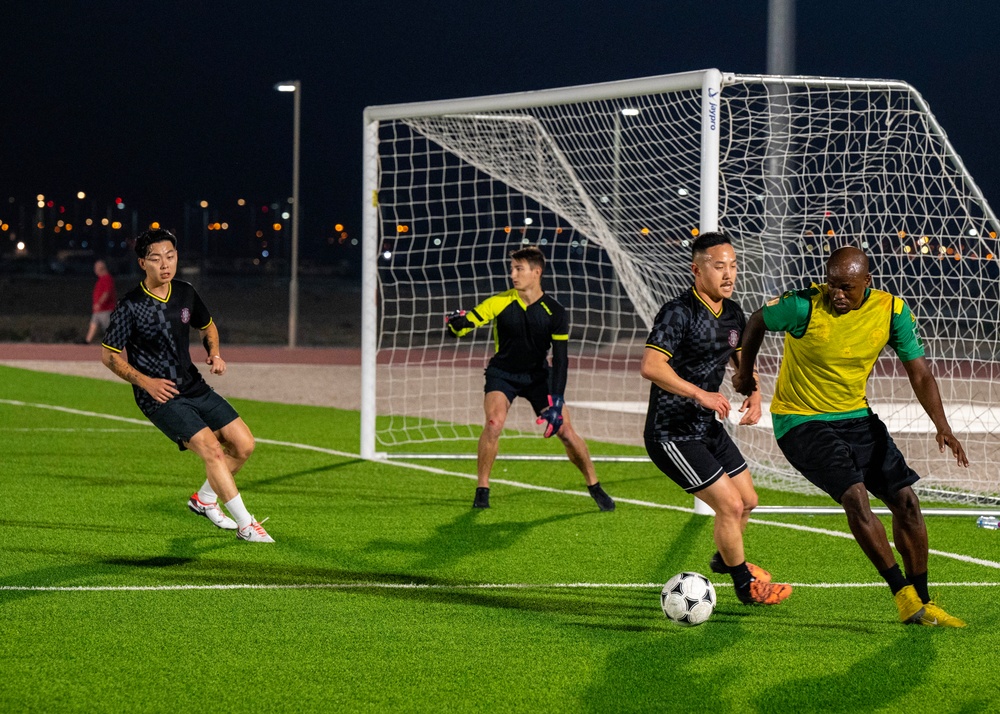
729, 508
856, 504
245, 445
906, 504
243, 450
206, 446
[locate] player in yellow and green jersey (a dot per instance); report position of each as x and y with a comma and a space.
825, 427
527, 322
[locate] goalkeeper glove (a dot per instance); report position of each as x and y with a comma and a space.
458, 317
552, 415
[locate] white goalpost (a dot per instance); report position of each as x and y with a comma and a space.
612, 181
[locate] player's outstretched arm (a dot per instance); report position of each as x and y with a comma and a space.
210, 339
925, 387
753, 337
162, 390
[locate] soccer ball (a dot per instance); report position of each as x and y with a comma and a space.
688, 599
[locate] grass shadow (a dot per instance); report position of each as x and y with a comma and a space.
465, 536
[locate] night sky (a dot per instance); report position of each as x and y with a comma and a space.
162, 103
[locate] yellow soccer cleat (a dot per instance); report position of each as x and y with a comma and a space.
934, 616
909, 605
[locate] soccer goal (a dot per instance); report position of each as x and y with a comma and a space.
612, 181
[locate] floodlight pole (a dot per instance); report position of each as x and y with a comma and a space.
781, 37
294, 86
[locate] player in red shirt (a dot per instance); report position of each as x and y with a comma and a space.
103, 301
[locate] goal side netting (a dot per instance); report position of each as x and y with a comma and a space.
612, 182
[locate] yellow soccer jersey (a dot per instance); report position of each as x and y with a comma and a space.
828, 357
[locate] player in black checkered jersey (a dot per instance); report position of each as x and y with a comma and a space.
694, 337
152, 324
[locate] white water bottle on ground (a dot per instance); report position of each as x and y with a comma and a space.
988, 522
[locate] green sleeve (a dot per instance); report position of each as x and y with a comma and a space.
789, 313
903, 335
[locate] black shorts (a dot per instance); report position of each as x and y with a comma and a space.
695, 465
183, 417
533, 386
835, 455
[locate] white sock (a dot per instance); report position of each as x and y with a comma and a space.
206, 494
239, 512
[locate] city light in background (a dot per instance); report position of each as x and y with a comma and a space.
38, 232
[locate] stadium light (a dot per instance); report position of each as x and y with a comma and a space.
294, 86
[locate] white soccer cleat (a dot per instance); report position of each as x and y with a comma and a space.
254, 533
212, 512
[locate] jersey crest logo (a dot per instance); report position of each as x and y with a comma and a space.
734, 338
185, 315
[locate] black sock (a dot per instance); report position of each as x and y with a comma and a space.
741, 576
920, 584
595, 487
895, 578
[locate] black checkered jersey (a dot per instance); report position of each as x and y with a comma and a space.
155, 332
700, 343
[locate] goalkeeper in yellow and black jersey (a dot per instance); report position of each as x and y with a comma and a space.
527, 323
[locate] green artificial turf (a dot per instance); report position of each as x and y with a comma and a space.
386, 591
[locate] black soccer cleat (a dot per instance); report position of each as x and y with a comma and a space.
604, 501
718, 565
482, 499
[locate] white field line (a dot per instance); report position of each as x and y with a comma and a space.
517, 484
899, 417
72, 430
425, 586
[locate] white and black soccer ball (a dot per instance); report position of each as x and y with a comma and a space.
688, 599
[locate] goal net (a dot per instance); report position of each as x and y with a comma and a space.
612, 182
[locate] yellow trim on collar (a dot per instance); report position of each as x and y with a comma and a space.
702, 301
170, 291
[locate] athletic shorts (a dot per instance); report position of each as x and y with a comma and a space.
533, 386
697, 464
101, 319
183, 417
835, 455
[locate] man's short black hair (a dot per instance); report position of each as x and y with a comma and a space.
531, 254
147, 238
709, 240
